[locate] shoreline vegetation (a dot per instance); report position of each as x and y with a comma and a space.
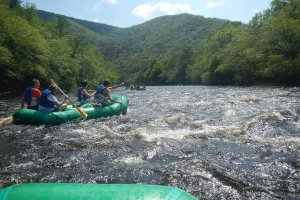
205, 51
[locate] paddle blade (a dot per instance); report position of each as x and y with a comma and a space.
82, 113
6, 121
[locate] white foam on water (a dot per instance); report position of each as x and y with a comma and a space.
297, 123
177, 118
230, 113
153, 153
21, 165
209, 129
201, 103
72, 162
93, 131
172, 134
80, 131
282, 141
197, 127
131, 160
178, 134
198, 123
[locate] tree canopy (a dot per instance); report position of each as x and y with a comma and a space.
264, 51
33, 48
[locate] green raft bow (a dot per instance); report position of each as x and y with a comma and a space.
69, 191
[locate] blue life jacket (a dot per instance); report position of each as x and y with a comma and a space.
100, 90
28, 95
80, 96
44, 99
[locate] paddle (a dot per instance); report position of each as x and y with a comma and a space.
70, 102
82, 113
6, 121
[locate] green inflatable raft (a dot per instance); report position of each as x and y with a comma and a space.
34, 117
70, 191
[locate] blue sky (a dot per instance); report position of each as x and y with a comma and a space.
126, 13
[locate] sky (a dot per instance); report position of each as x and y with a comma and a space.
127, 13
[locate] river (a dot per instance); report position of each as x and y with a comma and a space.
213, 142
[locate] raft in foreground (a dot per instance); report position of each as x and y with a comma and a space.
34, 117
69, 191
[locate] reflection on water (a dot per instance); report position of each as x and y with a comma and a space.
214, 142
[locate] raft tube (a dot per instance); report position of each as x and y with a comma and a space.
71, 191
34, 117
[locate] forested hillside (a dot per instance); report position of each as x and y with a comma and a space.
32, 48
156, 51
139, 51
187, 49
169, 50
266, 51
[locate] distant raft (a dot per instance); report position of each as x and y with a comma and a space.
34, 117
71, 191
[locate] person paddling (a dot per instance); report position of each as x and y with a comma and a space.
82, 95
102, 94
31, 95
48, 101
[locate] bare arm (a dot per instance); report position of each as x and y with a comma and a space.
113, 100
114, 87
110, 98
87, 94
58, 103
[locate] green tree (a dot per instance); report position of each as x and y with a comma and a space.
78, 45
62, 25
210, 63
14, 4
22, 48
153, 76
281, 42
185, 59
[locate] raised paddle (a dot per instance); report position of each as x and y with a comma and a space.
82, 113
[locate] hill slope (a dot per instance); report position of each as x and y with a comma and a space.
136, 48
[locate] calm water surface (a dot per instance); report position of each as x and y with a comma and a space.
214, 142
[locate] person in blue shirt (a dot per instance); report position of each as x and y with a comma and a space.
103, 95
82, 95
32, 95
48, 101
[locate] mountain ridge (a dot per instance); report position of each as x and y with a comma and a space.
134, 49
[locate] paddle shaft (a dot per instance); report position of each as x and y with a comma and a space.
62, 92
83, 114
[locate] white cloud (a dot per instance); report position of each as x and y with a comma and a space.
111, 2
151, 10
256, 11
213, 4
108, 2
98, 20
